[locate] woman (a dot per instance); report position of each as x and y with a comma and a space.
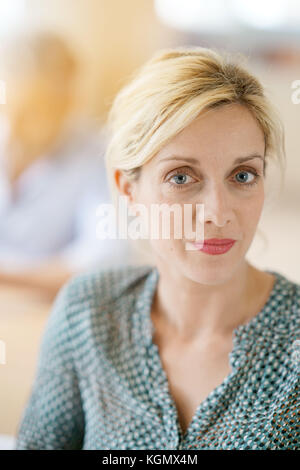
51, 165
201, 349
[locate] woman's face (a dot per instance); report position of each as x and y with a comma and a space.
199, 166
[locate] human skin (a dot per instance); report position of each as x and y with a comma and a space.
201, 296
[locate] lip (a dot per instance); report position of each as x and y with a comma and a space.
218, 241
215, 246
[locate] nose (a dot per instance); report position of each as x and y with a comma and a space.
218, 207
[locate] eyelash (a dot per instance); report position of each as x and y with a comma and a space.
247, 185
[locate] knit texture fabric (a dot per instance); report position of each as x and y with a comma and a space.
100, 383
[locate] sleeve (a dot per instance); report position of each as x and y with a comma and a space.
53, 417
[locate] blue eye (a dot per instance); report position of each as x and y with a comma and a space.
181, 179
244, 181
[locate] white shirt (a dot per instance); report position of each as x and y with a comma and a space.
54, 212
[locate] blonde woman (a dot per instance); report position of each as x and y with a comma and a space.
200, 349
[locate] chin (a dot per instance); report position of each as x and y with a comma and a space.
212, 269
209, 273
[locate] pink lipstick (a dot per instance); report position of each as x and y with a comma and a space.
215, 246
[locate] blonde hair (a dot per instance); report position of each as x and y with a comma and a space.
169, 92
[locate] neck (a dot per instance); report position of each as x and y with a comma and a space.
198, 310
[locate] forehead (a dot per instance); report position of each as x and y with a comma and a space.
227, 132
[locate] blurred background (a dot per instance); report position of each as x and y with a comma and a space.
61, 64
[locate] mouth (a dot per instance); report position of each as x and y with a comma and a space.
218, 241
212, 246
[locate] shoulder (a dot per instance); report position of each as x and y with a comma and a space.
288, 293
103, 286
284, 307
92, 309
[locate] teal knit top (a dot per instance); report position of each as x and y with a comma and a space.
100, 383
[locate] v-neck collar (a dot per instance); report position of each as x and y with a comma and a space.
243, 337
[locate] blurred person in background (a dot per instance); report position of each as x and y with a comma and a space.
52, 170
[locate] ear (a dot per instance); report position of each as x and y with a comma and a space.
124, 185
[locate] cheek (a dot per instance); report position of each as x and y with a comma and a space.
250, 213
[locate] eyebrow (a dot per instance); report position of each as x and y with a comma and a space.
195, 161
